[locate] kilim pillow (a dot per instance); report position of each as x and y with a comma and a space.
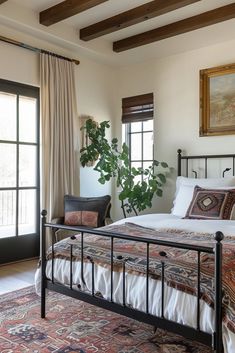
81, 218
86, 211
211, 204
185, 188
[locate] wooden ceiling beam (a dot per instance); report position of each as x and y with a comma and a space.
131, 17
66, 9
189, 24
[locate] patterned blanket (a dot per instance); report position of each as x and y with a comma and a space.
180, 265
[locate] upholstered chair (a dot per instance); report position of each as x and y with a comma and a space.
83, 212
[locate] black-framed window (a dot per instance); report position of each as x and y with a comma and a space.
19, 159
137, 129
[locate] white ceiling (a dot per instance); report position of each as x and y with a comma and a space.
23, 15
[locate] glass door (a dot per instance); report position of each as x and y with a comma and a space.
19, 171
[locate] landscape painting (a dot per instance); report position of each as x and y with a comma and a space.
217, 101
222, 100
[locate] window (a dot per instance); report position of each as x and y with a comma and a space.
19, 159
137, 119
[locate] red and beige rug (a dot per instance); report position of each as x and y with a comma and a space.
74, 326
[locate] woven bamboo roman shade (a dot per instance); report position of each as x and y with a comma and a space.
137, 108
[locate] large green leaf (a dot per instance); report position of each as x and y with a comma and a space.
164, 165
162, 177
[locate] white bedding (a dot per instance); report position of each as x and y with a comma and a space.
165, 221
179, 306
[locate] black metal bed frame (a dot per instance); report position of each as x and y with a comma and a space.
205, 157
214, 340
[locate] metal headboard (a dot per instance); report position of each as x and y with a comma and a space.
205, 157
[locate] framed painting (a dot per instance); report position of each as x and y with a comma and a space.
217, 101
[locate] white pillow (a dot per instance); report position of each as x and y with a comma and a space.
185, 187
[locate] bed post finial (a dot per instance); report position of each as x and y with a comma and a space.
218, 292
179, 151
44, 213
219, 236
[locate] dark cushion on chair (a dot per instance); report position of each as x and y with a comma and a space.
86, 211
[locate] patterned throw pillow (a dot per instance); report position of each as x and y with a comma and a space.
211, 204
83, 218
86, 211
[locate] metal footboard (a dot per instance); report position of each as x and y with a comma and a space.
214, 340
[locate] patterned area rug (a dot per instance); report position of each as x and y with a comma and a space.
74, 326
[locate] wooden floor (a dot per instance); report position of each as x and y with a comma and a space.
17, 275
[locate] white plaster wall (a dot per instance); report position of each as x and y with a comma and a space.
174, 81
19, 65
95, 92
96, 88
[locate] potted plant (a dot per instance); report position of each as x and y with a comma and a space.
112, 162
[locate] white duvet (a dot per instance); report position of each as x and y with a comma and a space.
179, 306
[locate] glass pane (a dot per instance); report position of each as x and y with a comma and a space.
7, 116
148, 145
147, 164
27, 212
27, 165
148, 125
136, 147
136, 127
7, 213
7, 165
27, 119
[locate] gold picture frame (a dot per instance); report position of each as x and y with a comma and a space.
217, 101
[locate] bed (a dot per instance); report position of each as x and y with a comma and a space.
157, 268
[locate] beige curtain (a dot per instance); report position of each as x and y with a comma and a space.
58, 112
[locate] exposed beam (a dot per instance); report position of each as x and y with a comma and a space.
2, 1
66, 9
131, 17
189, 24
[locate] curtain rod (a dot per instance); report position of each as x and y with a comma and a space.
37, 50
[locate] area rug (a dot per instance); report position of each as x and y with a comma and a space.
73, 326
